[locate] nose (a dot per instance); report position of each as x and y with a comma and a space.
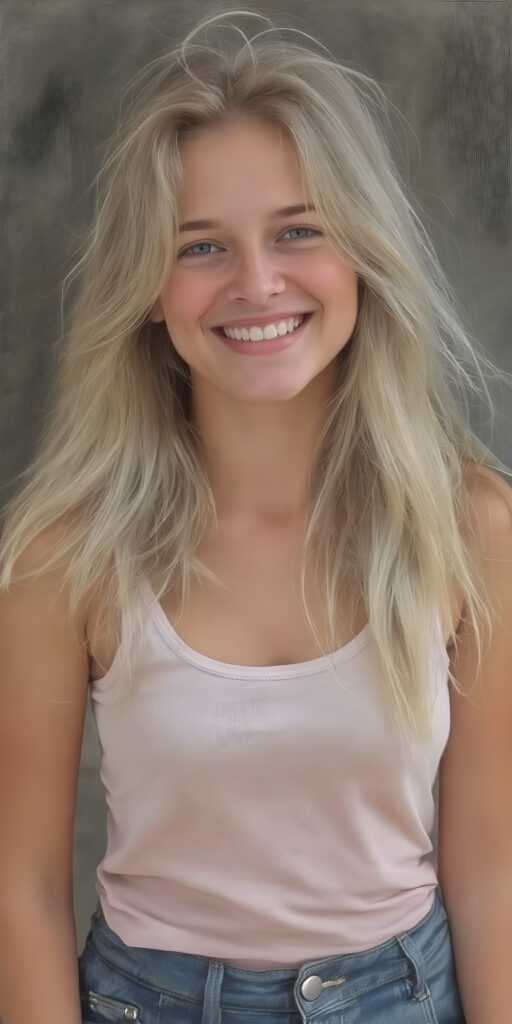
255, 278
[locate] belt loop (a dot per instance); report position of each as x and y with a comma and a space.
211, 1004
413, 953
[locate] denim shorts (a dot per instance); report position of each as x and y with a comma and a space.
410, 979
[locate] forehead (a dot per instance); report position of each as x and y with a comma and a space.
239, 161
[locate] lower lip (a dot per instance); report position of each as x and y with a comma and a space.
266, 346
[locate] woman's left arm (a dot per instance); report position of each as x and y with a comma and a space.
475, 787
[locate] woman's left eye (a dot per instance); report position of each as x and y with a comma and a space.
311, 231
208, 245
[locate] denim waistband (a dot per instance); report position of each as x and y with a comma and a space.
275, 989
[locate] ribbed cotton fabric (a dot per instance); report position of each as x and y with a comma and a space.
261, 816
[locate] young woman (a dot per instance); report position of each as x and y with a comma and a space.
261, 533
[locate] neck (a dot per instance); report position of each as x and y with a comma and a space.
259, 454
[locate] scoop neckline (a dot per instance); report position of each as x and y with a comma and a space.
221, 668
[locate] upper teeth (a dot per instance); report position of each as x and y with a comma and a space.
268, 332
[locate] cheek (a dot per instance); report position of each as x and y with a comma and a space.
186, 299
332, 279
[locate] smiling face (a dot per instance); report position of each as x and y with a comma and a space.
253, 265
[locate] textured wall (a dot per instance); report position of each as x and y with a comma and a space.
446, 67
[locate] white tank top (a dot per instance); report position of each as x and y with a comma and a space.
261, 816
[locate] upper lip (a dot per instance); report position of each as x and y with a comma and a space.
261, 321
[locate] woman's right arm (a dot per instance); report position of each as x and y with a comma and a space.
44, 673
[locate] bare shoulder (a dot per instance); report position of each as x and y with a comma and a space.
488, 525
490, 507
489, 504
491, 513
487, 530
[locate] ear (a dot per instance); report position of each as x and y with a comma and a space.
157, 313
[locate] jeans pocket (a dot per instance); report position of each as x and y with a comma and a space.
98, 1008
110, 994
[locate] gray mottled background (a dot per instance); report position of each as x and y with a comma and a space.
64, 67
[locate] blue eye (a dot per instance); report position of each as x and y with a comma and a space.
197, 245
311, 231
208, 245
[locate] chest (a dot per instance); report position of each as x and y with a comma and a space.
258, 618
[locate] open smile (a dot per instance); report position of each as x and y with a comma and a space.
266, 346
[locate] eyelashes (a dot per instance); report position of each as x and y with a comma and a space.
195, 255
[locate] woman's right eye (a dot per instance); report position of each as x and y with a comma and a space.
197, 245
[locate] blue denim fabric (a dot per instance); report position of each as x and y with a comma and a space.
410, 979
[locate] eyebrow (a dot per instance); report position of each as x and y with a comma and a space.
286, 211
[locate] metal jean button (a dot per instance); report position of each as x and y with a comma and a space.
313, 986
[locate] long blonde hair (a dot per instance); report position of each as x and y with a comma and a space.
119, 462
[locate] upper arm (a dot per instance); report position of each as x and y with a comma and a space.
44, 673
475, 774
